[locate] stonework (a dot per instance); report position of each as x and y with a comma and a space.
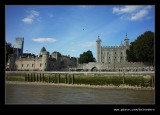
113, 58
109, 58
43, 62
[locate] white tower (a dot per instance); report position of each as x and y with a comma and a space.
98, 49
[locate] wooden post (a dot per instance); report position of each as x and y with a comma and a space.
55, 78
65, 78
68, 78
43, 77
28, 78
37, 77
73, 79
25, 77
33, 77
124, 78
58, 78
40, 77
152, 81
49, 78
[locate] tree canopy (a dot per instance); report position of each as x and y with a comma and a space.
86, 57
9, 50
142, 49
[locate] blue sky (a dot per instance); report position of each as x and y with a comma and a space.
73, 29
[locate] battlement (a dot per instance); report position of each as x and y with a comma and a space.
111, 47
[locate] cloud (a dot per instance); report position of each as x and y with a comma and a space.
88, 44
139, 15
132, 12
44, 40
31, 17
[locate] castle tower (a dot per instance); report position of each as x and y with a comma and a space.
126, 42
42, 50
98, 49
45, 60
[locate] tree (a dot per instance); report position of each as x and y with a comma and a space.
86, 57
9, 50
142, 49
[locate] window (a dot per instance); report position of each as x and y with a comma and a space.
27, 65
115, 52
40, 64
22, 65
32, 65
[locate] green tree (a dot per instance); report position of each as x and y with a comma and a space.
142, 49
86, 57
9, 50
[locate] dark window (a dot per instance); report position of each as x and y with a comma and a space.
40, 64
32, 65
22, 65
27, 65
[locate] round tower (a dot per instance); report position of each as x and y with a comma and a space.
42, 50
45, 60
98, 49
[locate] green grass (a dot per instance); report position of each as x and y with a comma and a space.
15, 78
116, 80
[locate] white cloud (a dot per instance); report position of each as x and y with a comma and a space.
88, 44
139, 15
31, 17
27, 20
44, 40
132, 12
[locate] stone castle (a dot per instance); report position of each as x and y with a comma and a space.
43, 62
109, 58
113, 58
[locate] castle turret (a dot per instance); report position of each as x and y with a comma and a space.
126, 42
45, 60
98, 49
42, 50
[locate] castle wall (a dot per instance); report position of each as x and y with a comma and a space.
113, 54
28, 64
128, 66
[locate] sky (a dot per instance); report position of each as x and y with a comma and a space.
74, 29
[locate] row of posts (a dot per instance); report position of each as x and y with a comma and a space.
69, 78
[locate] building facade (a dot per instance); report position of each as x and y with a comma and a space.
18, 46
114, 58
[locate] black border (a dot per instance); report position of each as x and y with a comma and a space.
80, 108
